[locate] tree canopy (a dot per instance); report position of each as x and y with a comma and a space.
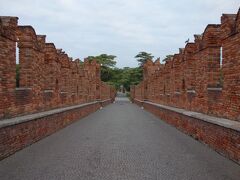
104, 59
167, 57
120, 76
142, 58
126, 76
107, 63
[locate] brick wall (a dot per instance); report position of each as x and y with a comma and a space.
195, 78
49, 78
53, 91
226, 141
203, 79
31, 128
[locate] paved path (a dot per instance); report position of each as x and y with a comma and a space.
119, 142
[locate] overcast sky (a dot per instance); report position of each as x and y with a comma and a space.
119, 27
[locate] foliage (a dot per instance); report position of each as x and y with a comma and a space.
126, 77
167, 57
117, 76
107, 63
104, 59
142, 58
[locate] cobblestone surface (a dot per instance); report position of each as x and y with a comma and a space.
119, 142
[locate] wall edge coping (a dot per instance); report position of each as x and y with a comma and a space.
214, 88
105, 100
22, 88
31, 117
227, 123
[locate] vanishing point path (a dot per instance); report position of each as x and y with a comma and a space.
119, 142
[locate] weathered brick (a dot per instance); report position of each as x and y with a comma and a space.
196, 80
49, 78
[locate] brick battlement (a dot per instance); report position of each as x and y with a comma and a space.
53, 89
203, 77
198, 89
48, 77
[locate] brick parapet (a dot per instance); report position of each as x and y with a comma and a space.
223, 135
19, 132
203, 76
198, 89
48, 77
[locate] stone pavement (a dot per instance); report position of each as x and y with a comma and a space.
119, 142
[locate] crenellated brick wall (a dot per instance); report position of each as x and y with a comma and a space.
195, 79
53, 91
49, 78
198, 89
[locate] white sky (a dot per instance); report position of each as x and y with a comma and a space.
119, 27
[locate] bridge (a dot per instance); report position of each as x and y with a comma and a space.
120, 141
58, 120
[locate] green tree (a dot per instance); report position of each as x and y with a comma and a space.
104, 59
126, 76
107, 63
117, 76
167, 57
142, 58
134, 76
